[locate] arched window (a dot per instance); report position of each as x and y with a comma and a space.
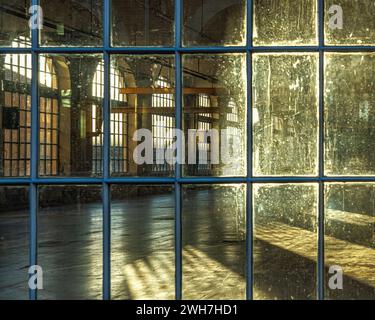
119, 126
17, 103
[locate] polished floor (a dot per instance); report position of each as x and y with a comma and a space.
214, 253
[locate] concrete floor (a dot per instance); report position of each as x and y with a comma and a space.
70, 252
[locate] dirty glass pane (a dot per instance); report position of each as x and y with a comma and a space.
142, 237
143, 115
350, 114
285, 241
350, 22
72, 23
14, 243
66, 112
70, 242
217, 23
349, 241
15, 115
285, 22
285, 114
143, 23
214, 249
214, 114
14, 21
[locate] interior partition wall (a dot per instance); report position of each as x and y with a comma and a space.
306, 158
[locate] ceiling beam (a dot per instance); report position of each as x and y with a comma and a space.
150, 90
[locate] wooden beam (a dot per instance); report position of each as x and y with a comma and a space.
170, 110
149, 90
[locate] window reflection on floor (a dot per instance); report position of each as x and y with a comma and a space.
142, 242
70, 242
350, 238
214, 254
285, 244
14, 255
70, 245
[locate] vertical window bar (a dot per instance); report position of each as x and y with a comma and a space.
320, 265
33, 197
45, 143
178, 187
106, 157
19, 138
249, 23
249, 185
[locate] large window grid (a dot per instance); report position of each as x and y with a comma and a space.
34, 181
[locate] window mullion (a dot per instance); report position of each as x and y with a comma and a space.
178, 167
33, 194
106, 156
249, 145
320, 257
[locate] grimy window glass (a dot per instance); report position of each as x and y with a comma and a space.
350, 114
214, 105
147, 93
72, 23
15, 124
285, 114
67, 116
213, 249
14, 249
285, 22
187, 149
14, 23
358, 24
285, 246
70, 239
201, 21
349, 237
142, 23
143, 243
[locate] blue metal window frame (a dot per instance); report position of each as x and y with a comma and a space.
178, 180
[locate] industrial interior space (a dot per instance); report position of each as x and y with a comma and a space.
295, 98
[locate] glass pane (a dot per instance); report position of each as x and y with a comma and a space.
72, 23
349, 240
15, 114
142, 238
349, 114
66, 115
14, 22
350, 22
214, 248
285, 241
70, 242
14, 241
219, 23
214, 114
143, 115
285, 22
285, 114
143, 23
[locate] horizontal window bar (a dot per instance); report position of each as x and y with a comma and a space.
171, 50
185, 180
